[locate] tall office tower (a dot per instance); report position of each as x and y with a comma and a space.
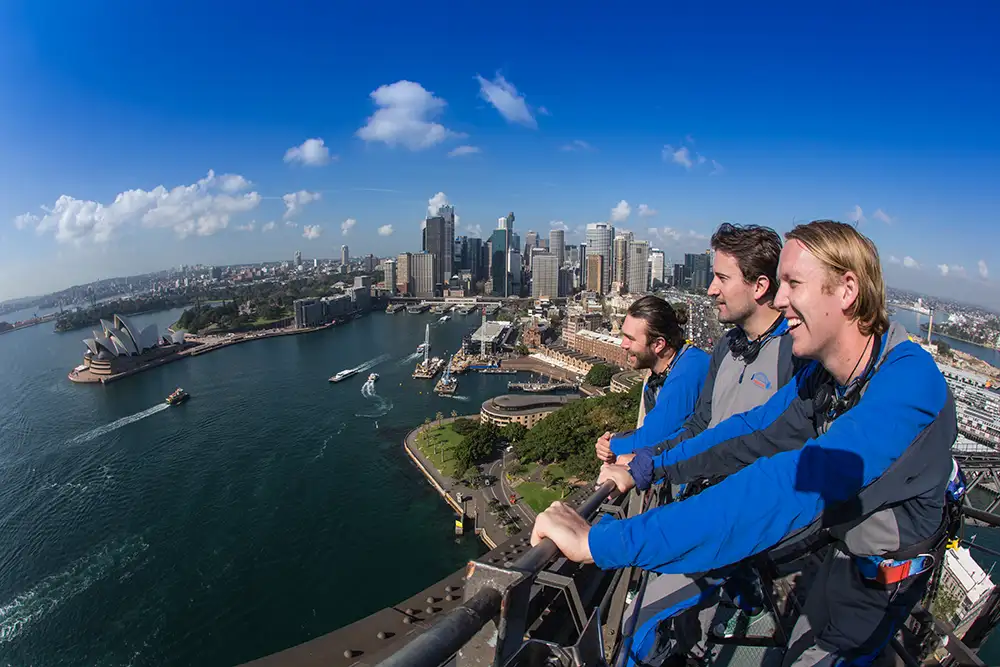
404, 273
370, 263
678, 276
345, 256
545, 275
298, 258
514, 266
638, 267
557, 244
473, 257
697, 267
436, 243
572, 254
619, 254
530, 241
498, 262
599, 235
448, 243
422, 266
389, 275
657, 262
595, 273
582, 263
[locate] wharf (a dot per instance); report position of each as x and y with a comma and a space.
422, 372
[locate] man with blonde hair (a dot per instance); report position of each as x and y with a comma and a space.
854, 451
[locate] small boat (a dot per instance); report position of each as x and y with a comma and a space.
421, 347
444, 318
177, 397
344, 374
373, 377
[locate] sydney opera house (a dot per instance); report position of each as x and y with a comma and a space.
121, 345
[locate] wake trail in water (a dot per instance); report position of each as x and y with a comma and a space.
459, 398
117, 424
322, 449
372, 363
410, 357
380, 407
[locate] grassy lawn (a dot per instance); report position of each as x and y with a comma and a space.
263, 321
537, 496
445, 440
556, 471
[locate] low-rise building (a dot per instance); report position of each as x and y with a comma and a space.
622, 382
524, 410
602, 346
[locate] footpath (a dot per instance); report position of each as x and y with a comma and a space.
476, 506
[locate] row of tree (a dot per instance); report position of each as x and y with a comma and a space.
86, 317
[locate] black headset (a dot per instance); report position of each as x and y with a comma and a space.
829, 403
743, 348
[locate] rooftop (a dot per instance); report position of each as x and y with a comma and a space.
604, 338
490, 331
525, 404
974, 581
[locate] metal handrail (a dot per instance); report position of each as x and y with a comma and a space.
455, 629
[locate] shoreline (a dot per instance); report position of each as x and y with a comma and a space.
923, 327
196, 350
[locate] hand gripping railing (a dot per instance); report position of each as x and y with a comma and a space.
482, 604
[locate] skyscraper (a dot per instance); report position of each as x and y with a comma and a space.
638, 267
581, 261
599, 235
389, 275
678, 275
697, 268
620, 257
557, 244
530, 241
472, 257
498, 262
437, 244
595, 273
545, 275
345, 257
657, 263
298, 258
448, 260
404, 273
422, 266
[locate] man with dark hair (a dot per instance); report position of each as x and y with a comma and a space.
653, 336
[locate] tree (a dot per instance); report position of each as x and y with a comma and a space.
522, 349
513, 432
600, 375
439, 416
464, 426
943, 348
454, 414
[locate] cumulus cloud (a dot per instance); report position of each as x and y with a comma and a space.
910, 263
621, 212
312, 153
681, 156
507, 100
559, 224
406, 117
268, 227
857, 216
646, 212
578, 145
953, 269
296, 201
311, 232
249, 227
347, 225
291, 223
385, 230
882, 216
436, 202
474, 230
203, 208
894, 260
464, 150
984, 271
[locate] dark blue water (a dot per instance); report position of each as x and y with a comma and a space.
260, 514
913, 321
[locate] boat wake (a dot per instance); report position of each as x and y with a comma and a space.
407, 360
46, 596
380, 406
372, 363
322, 450
458, 398
117, 424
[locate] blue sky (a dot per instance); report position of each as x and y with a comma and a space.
757, 113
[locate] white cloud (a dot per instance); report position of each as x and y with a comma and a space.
943, 268
621, 212
311, 232
681, 156
312, 152
883, 216
347, 225
577, 145
717, 169
202, 208
646, 212
291, 223
385, 230
296, 201
702, 159
464, 150
249, 227
857, 216
268, 227
474, 231
953, 269
504, 97
676, 235
544, 111
894, 260
559, 224
405, 116
984, 271
910, 263
436, 202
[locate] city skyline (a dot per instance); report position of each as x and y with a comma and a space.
112, 170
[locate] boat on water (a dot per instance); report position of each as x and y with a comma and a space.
422, 347
444, 318
373, 377
177, 397
416, 309
344, 374
394, 308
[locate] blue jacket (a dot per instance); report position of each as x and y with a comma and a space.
675, 403
793, 468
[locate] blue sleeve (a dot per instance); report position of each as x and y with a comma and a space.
754, 509
674, 404
646, 461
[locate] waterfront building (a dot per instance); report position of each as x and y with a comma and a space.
404, 274
422, 270
623, 382
308, 313
120, 346
488, 338
389, 276
524, 410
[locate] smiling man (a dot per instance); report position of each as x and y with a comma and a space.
856, 447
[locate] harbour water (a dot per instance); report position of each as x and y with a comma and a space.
269, 509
